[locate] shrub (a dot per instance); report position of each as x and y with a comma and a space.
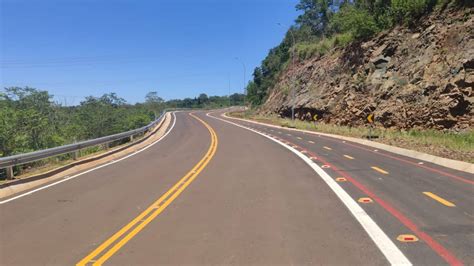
356, 21
343, 39
309, 49
406, 11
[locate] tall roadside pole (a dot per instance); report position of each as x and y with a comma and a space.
245, 76
293, 58
228, 75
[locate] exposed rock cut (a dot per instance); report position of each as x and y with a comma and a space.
409, 78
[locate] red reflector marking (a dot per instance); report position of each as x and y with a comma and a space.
407, 238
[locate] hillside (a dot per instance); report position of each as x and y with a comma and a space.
410, 77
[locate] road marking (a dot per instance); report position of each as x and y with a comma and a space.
379, 170
439, 199
363, 147
447, 255
383, 242
92, 169
111, 245
279, 132
407, 238
327, 148
299, 138
312, 142
348, 157
365, 200
468, 214
288, 134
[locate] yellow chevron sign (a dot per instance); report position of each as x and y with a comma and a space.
370, 118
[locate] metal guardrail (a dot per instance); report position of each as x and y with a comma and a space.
10, 161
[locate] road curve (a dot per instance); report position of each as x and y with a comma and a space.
431, 202
221, 191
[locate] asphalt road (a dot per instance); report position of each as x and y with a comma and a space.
222, 191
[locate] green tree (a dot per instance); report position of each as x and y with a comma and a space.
407, 11
8, 131
202, 99
154, 102
316, 14
33, 115
359, 22
237, 99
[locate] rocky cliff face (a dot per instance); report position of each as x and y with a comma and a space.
409, 78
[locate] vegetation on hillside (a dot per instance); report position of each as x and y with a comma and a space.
325, 24
30, 120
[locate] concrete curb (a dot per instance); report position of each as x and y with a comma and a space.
453, 164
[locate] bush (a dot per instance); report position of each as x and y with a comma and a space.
356, 21
343, 39
468, 3
310, 49
406, 11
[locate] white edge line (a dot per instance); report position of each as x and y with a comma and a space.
383, 242
448, 163
92, 169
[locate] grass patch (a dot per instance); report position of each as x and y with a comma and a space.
306, 50
456, 146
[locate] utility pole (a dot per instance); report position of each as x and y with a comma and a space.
245, 76
228, 76
293, 58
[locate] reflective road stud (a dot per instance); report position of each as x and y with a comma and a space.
341, 179
365, 200
407, 238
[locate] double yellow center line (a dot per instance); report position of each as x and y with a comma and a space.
119, 239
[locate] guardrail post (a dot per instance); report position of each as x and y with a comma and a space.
9, 171
131, 138
75, 155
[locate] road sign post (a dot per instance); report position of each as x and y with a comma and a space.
315, 118
370, 118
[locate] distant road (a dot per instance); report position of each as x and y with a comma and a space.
221, 191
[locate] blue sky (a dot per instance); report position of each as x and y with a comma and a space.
179, 48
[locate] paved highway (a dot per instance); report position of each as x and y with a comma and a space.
223, 191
